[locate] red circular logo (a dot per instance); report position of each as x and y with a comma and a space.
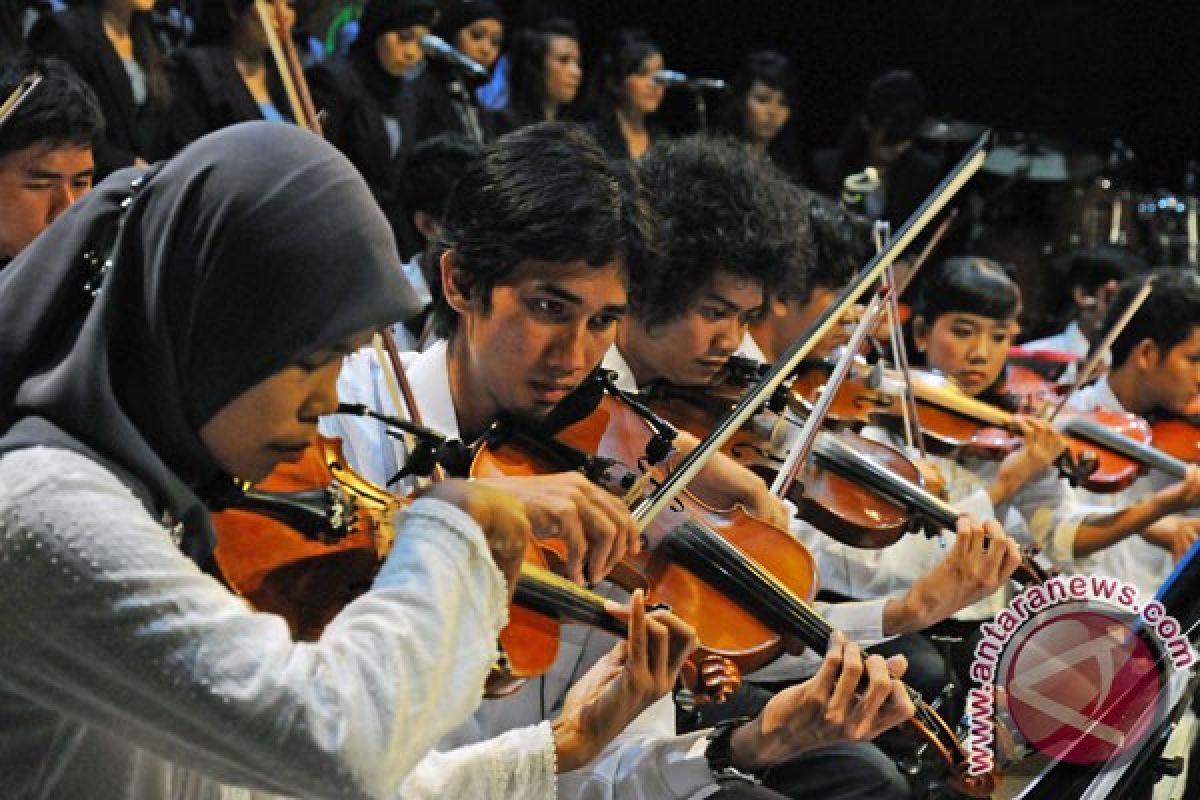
1082, 687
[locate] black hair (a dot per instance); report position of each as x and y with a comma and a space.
216, 20
1169, 316
721, 209
768, 67
527, 65
546, 192
623, 54
61, 110
433, 168
967, 285
894, 105
843, 242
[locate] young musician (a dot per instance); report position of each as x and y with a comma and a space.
45, 150
444, 95
1091, 282
546, 70
843, 246
113, 46
731, 222
1155, 369
227, 74
623, 95
541, 237
368, 105
129, 396
963, 323
759, 108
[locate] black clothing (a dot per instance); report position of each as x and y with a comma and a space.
131, 131
906, 183
608, 133
209, 94
251, 249
444, 103
355, 94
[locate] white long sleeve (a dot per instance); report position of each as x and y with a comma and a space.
127, 672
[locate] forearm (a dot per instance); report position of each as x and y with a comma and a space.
516, 765
1101, 530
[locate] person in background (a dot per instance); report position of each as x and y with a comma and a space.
368, 106
1155, 371
1090, 285
445, 98
759, 108
546, 73
227, 74
622, 94
431, 172
113, 46
882, 137
46, 144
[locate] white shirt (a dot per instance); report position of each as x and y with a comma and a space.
126, 672
1132, 559
1071, 341
648, 760
1042, 512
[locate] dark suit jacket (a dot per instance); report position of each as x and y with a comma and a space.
209, 94
77, 37
437, 105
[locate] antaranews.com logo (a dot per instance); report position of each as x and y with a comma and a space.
1079, 665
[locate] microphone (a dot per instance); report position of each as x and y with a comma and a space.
437, 47
670, 78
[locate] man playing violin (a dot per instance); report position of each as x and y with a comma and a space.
732, 228
535, 279
964, 321
1155, 369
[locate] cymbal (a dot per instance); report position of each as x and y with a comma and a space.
947, 129
1028, 161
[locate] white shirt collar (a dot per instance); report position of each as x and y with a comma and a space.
429, 376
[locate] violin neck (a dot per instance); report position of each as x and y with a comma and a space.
541, 590
949, 398
701, 550
1095, 433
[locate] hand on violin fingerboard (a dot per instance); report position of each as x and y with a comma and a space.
980, 562
622, 684
593, 525
830, 708
1043, 444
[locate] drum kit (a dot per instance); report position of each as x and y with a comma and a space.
1041, 200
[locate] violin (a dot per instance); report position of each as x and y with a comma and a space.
837, 503
858, 491
1178, 435
743, 584
955, 423
346, 528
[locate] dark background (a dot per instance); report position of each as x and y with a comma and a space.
1082, 72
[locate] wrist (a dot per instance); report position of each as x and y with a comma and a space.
746, 750
566, 746
911, 612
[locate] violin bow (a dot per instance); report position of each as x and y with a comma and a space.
400, 389
283, 52
1084, 374
884, 299
668, 490
19, 95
